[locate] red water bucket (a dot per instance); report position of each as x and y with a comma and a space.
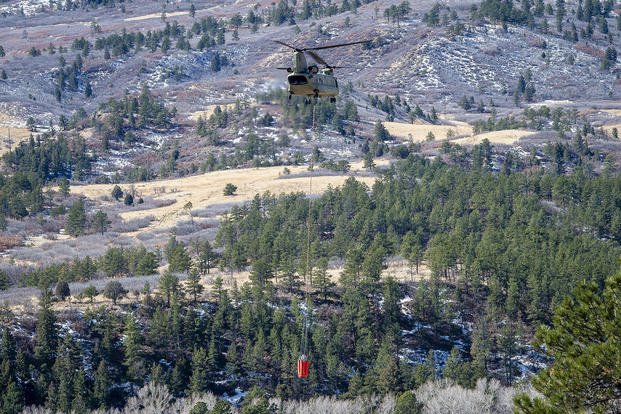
303, 365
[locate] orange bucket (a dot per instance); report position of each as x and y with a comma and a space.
303, 365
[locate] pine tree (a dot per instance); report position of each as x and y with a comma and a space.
391, 309
585, 342
76, 219
385, 374
46, 337
90, 292
407, 404
168, 285
101, 385
560, 15
178, 259
512, 303
5, 282
321, 278
452, 365
81, 400
114, 290
8, 351
206, 257
193, 285
427, 370
100, 221
11, 398
131, 344
62, 290
199, 381
412, 250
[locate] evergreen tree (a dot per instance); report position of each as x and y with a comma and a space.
81, 399
321, 278
585, 342
101, 385
5, 282
560, 14
169, 285
46, 337
12, 399
114, 290
193, 285
199, 381
230, 189
62, 290
100, 221
178, 259
90, 292
206, 257
133, 362
76, 219
385, 374
407, 404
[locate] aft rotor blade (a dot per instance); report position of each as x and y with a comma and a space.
317, 58
289, 46
339, 45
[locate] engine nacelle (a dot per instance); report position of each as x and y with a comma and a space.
313, 69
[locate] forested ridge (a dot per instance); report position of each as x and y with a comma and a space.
488, 243
504, 249
526, 232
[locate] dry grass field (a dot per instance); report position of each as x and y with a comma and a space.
609, 128
459, 133
418, 132
507, 137
207, 111
207, 189
12, 132
155, 16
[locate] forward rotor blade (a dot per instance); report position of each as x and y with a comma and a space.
289, 46
317, 58
332, 46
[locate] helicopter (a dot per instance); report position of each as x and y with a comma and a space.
310, 80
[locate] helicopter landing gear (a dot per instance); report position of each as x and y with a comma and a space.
316, 95
289, 96
332, 99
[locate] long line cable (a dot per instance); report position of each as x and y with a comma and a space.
307, 274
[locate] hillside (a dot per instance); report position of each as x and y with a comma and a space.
176, 232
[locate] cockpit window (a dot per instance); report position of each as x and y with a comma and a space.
297, 80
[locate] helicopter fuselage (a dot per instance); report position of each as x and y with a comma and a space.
313, 84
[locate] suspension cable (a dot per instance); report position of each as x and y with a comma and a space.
307, 274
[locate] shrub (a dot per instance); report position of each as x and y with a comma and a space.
230, 189
62, 290
114, 290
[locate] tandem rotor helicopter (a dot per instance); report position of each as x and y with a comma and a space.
310, 80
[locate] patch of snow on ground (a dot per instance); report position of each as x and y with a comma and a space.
236, 398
